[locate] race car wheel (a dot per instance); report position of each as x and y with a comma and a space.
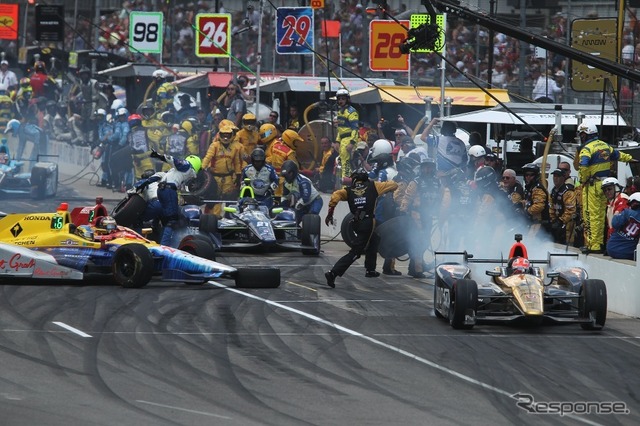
346, 229
208, 223
396, 236
132, 265
593, 304
128, 210
198, 245
258, 278
203, 187
311, 225
464, 303
38, 182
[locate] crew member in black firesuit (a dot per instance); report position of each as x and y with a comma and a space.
361, 196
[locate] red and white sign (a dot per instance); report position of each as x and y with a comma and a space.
385, 39
214, 35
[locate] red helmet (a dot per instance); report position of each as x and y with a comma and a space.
520, 265
134, 120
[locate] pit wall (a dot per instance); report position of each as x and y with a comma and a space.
622, 277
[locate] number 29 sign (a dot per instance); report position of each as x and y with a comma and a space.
294, 30
214, 35
145, 31
385, 39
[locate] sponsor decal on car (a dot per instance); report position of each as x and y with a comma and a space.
68, 242
37, 217
16, 263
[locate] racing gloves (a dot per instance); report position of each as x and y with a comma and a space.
329, 219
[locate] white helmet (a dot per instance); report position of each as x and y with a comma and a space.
160, 74
381, 146
477, 151
588, 128
634, 197
610, 181
342, 92
122, 112
116, 104
101, 111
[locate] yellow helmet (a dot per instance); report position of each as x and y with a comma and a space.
187, 126
228, 123
268, 132
290, 137
170, 89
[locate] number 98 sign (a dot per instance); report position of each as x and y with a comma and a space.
145, 32
385, 39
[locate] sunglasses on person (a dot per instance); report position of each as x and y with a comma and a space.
507, 177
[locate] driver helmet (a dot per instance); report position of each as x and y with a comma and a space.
85, 231
106, 224
520, 265
289, 170
258, 158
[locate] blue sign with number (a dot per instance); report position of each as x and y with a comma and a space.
294, 31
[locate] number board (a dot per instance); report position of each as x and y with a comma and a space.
294, 31
214, 35
385, 39
423, 18
145, 32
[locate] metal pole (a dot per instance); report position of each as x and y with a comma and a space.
523, 47
75, 22
24, 31
259, 57
442, 68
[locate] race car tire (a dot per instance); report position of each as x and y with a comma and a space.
42, 178
465, 298
128, 210
593, 303
132, 265
203, 187
311, 227
346, 229
258, 277
396, 236
208, 223
198, 245
435, 287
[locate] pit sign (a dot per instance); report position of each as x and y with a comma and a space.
385, 39
294, 31
145, 32
214, 35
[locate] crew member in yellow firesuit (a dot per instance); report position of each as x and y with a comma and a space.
155, 127
268, 133
139, 143
535, 202
596, 159
347, 123
281, 150
223, 159
248, 136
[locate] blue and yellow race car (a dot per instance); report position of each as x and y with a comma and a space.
92, 247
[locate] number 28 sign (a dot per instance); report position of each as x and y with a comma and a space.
145, 31
384, 46
214, 35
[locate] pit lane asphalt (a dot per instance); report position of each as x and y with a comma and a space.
368, 352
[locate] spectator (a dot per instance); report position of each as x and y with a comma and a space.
545, 89
8, 78
617, 201
273, 119
513, 188
624, 240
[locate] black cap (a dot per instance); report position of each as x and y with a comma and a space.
558, 172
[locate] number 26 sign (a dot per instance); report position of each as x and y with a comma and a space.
214, 35
385, 39
145, 32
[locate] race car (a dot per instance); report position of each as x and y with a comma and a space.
41, 182
518, 292
50, 246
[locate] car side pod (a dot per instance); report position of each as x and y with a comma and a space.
257, 277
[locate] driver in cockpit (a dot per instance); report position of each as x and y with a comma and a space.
520, 265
